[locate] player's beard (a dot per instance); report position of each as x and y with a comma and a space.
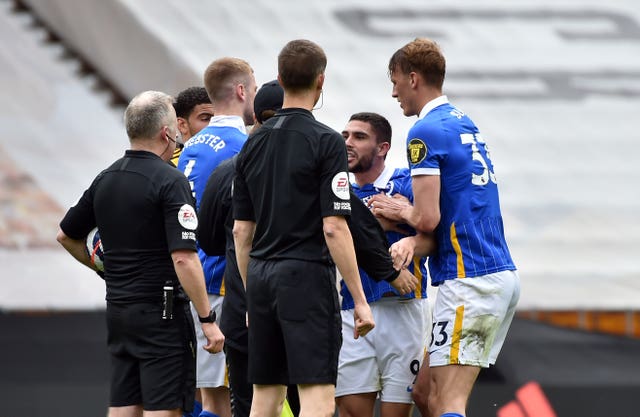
247, 116
363, 163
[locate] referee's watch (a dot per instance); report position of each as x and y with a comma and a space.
210, 318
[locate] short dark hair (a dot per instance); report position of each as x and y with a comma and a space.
188, 99
381, 126
422, 56
299, 64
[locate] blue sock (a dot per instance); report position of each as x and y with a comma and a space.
205, 413
197, 408
451, 415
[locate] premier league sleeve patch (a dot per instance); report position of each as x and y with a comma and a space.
187, 217
416, 151
340, 185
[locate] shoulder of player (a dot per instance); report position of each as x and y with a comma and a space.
430, 131
402, 182
401, 173
429, 124
210, 135
195, 139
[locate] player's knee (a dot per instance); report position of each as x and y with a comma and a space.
328, 410
433, 402
345, 411
420, 398
320, 409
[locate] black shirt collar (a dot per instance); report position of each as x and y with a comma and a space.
295, 110
140, 154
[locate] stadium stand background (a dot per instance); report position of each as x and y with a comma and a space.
554, 87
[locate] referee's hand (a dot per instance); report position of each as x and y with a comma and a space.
363, 320
215, 338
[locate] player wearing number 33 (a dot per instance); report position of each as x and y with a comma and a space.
456, 200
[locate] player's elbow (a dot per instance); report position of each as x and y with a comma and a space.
184, 257
427, 223
62, 238
329, 230
238, 232
243, 233
332, 226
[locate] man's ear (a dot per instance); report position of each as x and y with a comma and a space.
320, 81
183, 127
414, 79
241, 91
383, 148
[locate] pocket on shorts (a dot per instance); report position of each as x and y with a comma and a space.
293, 294
292, 303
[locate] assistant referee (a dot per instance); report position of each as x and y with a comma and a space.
143, 208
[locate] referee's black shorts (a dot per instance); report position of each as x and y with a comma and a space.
295, 329
152, 360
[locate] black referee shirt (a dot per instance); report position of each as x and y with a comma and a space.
143, 208
290, 174
215, 235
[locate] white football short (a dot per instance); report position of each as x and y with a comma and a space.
211, 368
471, 319
388, 358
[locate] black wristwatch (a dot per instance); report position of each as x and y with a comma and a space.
211, 318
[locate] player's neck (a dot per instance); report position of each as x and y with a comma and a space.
229, 109
306, 99
429, 94
299, 102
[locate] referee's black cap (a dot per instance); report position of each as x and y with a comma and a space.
268, 99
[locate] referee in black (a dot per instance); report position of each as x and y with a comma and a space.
215, 236
290, 199
216, 239
143, 208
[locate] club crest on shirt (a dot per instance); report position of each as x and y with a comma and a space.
416, 151
187, 217
340, 185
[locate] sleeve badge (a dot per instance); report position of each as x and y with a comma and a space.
416, 151
187, 217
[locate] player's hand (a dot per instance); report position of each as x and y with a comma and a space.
390, 208
405, 283
402, 252
391, 225
363, 320
215, 338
